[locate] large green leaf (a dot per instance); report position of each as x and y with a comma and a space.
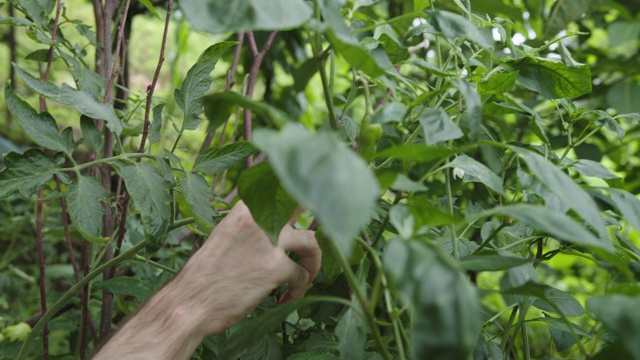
548, 221
562, 13
41, 127
84, 102
148, 189
224, 100
221, 16
445, 305
268, 202
563, 303
216, 160
197, 82
628, 205
325, 177
197, 194
25, 172
453, 26
85, 208
476, 171
552, 79
497, 83
352, 332
619, 314
438, 127
345, 44
569, 193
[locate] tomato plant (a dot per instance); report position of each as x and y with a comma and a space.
469, 166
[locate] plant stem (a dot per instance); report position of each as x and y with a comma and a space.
144, 260
130, 253
392, 310
151, 88
368, 315
318, 53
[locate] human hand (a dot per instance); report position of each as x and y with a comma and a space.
238, 266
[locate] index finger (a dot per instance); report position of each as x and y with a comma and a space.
303, 243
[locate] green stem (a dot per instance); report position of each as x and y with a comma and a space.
318, 54
144, 260
355, 286
26, 346
579, 142
392, 310
182, 222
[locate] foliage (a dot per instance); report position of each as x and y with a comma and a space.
470, 166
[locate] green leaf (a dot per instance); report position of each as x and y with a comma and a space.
352, 332
126, 286
91, 135
148, 189
245, 15
565, 304
277, 116
242, 340
345, 44
402, 219
152, 9
628, 204
497, 83
551, 222
622, 95
268, 202
619, 314
324, 175
155, 129
216, 160
472, 115
84, 102
445, 305
491, 262
593, 168
569, 193
311, 356
419, 153
84, 205
438, 127
562, 13
197, 82
197, 194
25, 172
552, 79
41, 127
477, 172
453, 26
388, 112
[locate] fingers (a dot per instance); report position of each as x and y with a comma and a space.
303, 243
296, 278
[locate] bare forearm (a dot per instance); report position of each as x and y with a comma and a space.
163, 329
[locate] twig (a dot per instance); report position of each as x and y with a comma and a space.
230, 82
41, 266
151, 88
109, 219
253, 76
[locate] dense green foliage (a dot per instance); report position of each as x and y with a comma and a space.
471, 167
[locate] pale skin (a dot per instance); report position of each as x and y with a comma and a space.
233, 271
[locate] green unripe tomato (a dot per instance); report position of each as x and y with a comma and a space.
18, 331
370, 134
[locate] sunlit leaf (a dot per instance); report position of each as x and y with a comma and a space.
216, 160
197, 82
320, 172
